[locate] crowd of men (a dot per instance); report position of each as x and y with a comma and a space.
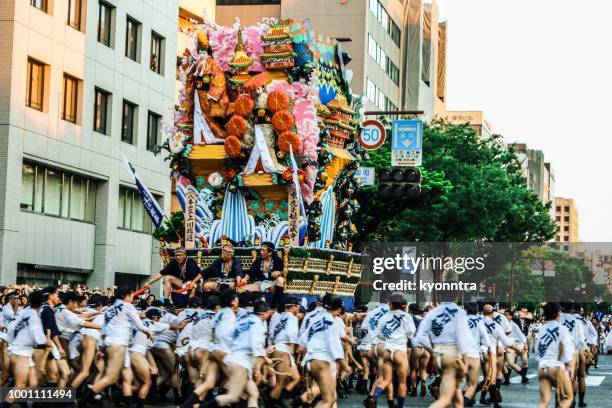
231, 337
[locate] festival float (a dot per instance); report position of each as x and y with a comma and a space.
263, 148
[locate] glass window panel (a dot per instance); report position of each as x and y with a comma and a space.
74, 14
131, 39
137, 213
385, 19
100, 111
39, 4
121, 214
28, 173
104, 24
66, 181
38, 189
77, 198
152, 131
35, 84
69, 109
53, 192
90, 203
373, 6
157, 42
128, 209
371, 46
127, 131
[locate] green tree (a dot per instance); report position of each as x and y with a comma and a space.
472, 190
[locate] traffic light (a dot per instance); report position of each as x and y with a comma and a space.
399, 183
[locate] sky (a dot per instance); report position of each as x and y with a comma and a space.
541, 70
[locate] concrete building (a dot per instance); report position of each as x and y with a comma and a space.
539, 175
398, 46
476, 119
566, 218
81, 83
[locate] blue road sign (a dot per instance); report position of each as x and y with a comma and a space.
407, 143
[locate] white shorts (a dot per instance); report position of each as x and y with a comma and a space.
322, 356
138, 348
23, 352
182, 350
200, 344
73, 346
117, 340
127, 362
285, 348
55, 353
448, 350
242, 359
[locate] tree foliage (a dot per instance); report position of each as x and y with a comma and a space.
472, 190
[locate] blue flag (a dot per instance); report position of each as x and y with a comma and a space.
150, 203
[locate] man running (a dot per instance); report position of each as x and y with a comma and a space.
555, 354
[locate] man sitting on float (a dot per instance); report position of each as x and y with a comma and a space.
266, 274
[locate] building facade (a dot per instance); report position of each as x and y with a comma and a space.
476, 120
539, 175
566, 218
83, 82
398, 47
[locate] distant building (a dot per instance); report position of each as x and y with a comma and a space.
398, 47
566, 218
538, 174
476, 119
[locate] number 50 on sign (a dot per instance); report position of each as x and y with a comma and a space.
372, 135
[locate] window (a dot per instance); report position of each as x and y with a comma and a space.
392, 71
74, 14
39, 4
101, 108
372, 46
105, 14
371, 91
132, 215
57, 193
127, 123
153, 130
395, 33
566, 238
387, 22
71, 92
557, 219
566, 209
378, 55
566, 228
566, 218
558, 238
35, 84
131, 39
157, 53
558, 209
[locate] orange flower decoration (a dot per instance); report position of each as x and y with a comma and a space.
236, 126
244, 106
277, 101
283, 121
287, 140
232, 147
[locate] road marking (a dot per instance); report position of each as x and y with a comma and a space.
517, 379
594, 380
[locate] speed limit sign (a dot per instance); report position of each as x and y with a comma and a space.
372, 135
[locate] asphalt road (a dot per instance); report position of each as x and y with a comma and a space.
517, 395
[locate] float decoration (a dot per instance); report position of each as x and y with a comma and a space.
264, 137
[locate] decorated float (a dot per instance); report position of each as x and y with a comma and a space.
263, 148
